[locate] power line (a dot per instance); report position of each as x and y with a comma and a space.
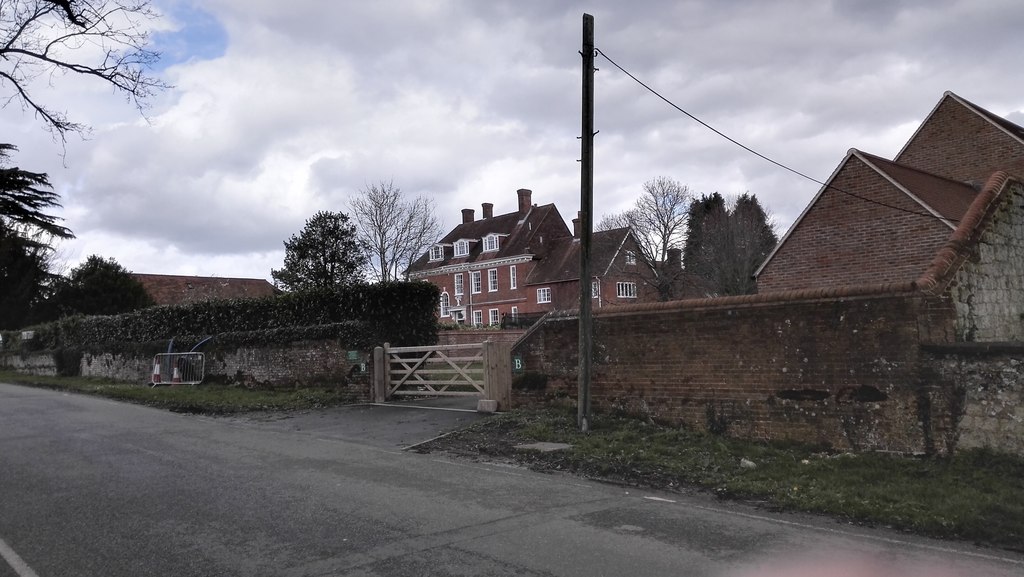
758, 154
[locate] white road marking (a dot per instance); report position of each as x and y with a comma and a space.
15, 561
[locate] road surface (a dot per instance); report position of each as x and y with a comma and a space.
90, 487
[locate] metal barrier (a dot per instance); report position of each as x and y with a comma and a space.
178, 369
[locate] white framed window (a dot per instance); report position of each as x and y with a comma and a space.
461, 248
493, 314
478, 318
492, 280
474, 278
437, 252
445, 303
459, 289
512, 282
544, 295
625, 290
490, 243
595, 289
630, 257
515, 313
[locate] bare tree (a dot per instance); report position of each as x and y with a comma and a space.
395, 228
102, 39
658, 220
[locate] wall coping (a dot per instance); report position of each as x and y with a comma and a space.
975, 349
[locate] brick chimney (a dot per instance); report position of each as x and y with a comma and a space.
467, 215
576, 226
525, 200
674, 259
488, 209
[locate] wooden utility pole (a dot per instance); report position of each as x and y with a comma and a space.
586, 224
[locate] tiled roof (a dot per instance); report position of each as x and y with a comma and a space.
563, 261
520, 234
176, 289
949, 198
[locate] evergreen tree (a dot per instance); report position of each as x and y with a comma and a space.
24, 276
99, 286
325, 254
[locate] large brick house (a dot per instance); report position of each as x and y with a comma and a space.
525, 263
879, 221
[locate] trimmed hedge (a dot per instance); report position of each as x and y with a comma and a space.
400, 313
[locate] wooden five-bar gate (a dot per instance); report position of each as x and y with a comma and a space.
482, 370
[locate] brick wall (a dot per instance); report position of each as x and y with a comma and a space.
839, 372
467, 337
957, 143
988, 290
845, 241
295, 365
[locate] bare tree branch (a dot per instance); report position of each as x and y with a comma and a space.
396, 229
103, 39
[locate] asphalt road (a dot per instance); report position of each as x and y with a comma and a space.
95, 487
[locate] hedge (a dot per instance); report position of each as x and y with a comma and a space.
400, 313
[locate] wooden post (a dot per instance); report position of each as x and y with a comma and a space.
498, 373
380, 374
586, 225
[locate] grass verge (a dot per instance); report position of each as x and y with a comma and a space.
976, 495
207, 399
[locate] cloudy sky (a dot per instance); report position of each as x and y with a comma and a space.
281, 109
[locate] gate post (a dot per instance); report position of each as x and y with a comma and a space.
380, 374
498, 373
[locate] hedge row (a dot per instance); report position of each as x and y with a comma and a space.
400, 313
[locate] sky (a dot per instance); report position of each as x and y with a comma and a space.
282, 109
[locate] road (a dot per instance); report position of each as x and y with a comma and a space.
90, 486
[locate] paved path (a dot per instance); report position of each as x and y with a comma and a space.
94, 487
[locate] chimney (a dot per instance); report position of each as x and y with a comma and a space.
674, 259
467, 215
576, 226
488, 209
525, 200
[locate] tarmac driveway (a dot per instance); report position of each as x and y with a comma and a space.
392, 425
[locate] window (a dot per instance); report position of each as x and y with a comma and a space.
595, 289
625, 290
515, 313
478, 318
493, 314
490, 243
492, 280
474, 277
544, 295
437, 252
512, 277
462, 248
444, 304
459, 291
630, 257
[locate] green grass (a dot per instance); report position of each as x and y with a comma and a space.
207, 398
975, 495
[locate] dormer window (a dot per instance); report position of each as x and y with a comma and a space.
490, 243
462, 248
437, 252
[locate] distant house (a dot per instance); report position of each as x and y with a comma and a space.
176, 289
945, 216
524, 263
883, 221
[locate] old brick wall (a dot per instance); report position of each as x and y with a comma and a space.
959, 144
844, 241
468, 337
986, 381
988, 289
295, 365
840, 372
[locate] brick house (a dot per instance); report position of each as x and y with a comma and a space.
879, 221
524, 263
166, 289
